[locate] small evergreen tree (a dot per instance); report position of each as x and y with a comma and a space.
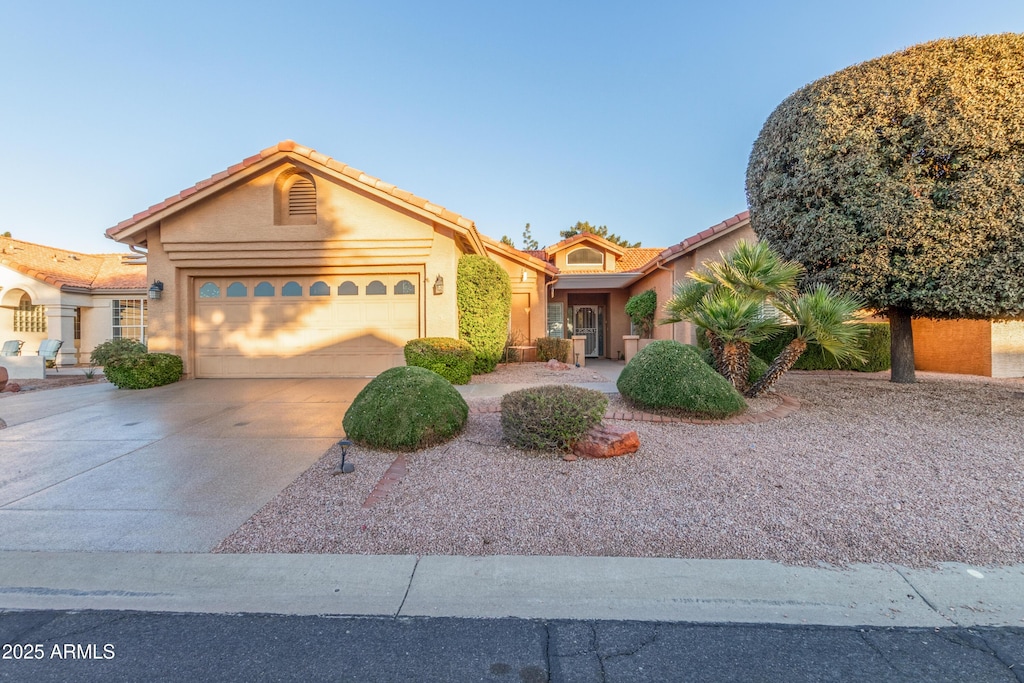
484, 297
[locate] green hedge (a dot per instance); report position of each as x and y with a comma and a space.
144, 371
405, 408
484, 298
552, 417
876, 348
451, 358
553, 347
641, 309
669, 375
114, 349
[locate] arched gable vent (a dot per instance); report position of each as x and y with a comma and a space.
302, 197
295, 198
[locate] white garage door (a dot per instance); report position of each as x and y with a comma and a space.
337, 326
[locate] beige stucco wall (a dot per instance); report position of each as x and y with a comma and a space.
356, 232
1008, 349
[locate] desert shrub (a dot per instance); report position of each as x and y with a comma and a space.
514, 338
551, 417
405, 408
144, 371
450, 358
114, 349
876, 348
484, 297
755, 370
641, 309
553, 347
670, 375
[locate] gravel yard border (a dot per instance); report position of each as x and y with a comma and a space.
865, 471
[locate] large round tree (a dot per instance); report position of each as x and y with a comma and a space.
902, 180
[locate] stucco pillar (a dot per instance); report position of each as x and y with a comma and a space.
60, 324
579, 347
632, 343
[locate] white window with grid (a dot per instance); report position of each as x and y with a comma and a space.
128, 319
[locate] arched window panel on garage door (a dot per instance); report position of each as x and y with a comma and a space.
348, 288
405, 287
319, 288
376, 288
237, 289
209, 291
264, 289
291, 289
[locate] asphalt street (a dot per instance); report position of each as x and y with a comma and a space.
86, 646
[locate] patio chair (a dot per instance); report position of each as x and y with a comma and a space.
12, 348
48, 349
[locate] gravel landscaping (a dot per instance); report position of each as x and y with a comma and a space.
865, 471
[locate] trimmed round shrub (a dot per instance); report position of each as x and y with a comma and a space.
144, 371
668, 375
551, 417
405, 408
451, 358
114, 349
756, 369
484, 297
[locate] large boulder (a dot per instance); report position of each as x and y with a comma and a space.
605, 441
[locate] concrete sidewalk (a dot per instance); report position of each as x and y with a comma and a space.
642, 589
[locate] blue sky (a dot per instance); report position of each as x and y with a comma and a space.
635, 115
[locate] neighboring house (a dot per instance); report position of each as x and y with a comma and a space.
292, 264
81, 299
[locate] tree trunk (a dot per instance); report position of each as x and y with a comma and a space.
735, 361
780, 366
717, 349
902, 347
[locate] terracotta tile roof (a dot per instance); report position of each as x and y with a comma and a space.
63, 268
704, 235
520, 255
291, 147
636, 258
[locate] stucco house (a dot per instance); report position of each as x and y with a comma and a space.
292, 264
81, 299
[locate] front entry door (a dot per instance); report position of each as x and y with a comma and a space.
589, 322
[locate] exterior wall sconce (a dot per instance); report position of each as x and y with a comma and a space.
156, 290
439, 285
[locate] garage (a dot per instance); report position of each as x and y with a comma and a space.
303, 326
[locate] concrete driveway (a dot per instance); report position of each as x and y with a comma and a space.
171, 469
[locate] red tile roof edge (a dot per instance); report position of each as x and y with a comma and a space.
524, 255
291, 147
703, 236
56, 279
569, 241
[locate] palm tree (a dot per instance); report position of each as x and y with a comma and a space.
733, 323
726, 299
822, 317
752, 269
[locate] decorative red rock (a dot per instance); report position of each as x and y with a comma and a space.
3, 377
604, 441
555, 364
